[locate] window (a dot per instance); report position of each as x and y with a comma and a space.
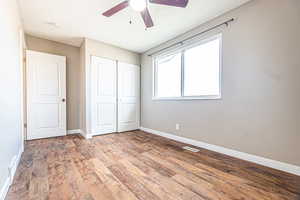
192, 72
169, 76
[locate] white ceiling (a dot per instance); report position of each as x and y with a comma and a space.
75, 19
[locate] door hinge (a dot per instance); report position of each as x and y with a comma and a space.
25, 125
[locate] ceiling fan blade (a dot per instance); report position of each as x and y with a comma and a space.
116, 9
147, 18
177, 3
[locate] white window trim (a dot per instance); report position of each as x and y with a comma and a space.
182, 49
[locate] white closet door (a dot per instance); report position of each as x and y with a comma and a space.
128, 97
46, 95
103, 96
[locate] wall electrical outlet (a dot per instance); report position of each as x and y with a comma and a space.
177, 126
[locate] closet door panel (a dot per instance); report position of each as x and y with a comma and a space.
128, 97
103, 96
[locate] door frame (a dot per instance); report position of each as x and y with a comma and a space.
23, 48
92, 95
138, 103
88, 96
26, 89
87, 117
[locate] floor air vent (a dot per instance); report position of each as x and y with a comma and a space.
191, 149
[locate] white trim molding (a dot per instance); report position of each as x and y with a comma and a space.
81, 132
12, 171
74, 131
4, 189
88, 136
181, 50
293, 169
14, 165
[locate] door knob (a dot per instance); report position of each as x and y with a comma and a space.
63, 100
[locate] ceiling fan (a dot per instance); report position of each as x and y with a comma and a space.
142, 7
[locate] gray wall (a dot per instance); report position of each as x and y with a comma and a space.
73, 73
108, 51
10, 86
259, 112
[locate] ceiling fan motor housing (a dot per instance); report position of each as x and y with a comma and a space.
141, 6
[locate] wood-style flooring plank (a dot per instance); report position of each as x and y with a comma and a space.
140, 166
132, 183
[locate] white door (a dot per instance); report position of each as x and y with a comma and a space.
128, 97
46, 95
103, 96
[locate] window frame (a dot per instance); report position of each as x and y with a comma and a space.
182, 50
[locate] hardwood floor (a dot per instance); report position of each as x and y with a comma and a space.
137, 165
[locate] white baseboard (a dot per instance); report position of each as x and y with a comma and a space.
88, 136
81, 132
85, 135
14, 165
293, 169
9, 180
4, 189
75, 131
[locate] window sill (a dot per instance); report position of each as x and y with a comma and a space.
209, 97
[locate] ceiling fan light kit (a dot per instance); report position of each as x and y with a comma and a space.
138, 5
142, 7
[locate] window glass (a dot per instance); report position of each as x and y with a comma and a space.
168, 76
201, 69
